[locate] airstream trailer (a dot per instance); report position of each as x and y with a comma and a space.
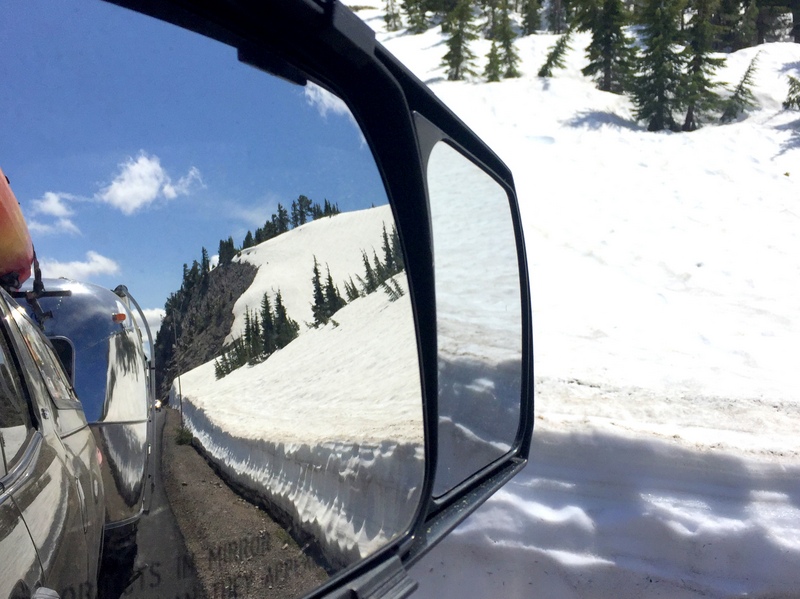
98, 335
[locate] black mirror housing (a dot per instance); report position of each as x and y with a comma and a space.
401, 120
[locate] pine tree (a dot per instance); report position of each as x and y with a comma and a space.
490, 9
555, 57
318, 307
249, 241
305, 208
281, 220
351, 290
768, 23
267, 327
379, 268
370, 281
727, 18
610, 52
504, 33
557, 16
397, 251
657, 84
285, 328
459, 59
333, 300
268, 231
388, 254
392, 16
301, 210
530, 16
792, 100
205, 263
248, 329
493, 68
254, 353
742, 97
698, 90
227, 251
746, 34
392, 289
415, 16
736, 23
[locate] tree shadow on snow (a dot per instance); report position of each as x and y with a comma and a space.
649, 502
595, 119
794, 140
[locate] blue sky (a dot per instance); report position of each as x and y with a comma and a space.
132, 144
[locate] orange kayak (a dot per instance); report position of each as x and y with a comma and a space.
16, 248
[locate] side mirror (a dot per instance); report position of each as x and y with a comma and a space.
363, 373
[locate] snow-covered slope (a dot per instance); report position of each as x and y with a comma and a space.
666, 320
329, 428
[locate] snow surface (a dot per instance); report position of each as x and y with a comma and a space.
664, 271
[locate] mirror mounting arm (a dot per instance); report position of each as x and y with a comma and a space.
360, 38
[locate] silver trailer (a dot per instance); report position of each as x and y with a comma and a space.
99, 336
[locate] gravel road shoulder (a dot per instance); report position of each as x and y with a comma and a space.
234, 546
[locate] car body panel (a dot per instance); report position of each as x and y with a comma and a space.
111, 377
54, 483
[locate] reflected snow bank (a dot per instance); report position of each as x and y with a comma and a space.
351, 497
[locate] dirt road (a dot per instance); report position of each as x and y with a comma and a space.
200, 540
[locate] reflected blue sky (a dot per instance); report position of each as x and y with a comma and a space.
139, 142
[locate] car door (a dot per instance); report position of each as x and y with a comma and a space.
58, 492
20, 571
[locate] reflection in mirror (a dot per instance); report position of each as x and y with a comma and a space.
253, 211
479, 316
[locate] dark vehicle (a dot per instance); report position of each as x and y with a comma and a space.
98, 336
51, 490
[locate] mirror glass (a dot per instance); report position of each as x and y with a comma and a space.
479, 316
247, 217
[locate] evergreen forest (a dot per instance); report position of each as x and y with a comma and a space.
663, 54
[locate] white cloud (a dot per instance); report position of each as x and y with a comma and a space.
325, 102
52, 204
154, 317
142, 181
94, 265
184, 184
62, 225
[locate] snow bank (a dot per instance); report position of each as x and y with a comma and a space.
598, 515
351, 497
